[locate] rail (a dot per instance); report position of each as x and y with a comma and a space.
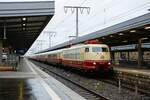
97, 95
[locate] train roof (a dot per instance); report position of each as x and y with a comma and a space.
72, 47
50, 52
86, 45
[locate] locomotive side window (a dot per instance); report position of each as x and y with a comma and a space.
99, 49
86, 49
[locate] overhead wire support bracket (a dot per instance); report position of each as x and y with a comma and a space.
76, 8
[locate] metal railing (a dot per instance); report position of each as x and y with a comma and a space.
11, 60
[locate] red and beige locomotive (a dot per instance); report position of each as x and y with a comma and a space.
88, 57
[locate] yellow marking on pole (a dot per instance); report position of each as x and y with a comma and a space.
21, 90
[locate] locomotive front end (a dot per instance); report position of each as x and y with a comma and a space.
97, 58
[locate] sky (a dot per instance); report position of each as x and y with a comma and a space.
103, 13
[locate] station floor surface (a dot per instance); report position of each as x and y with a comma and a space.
31, 83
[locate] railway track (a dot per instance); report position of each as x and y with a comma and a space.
87, 93
125, 83
108, 88
132, 82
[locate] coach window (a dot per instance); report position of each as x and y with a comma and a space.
86, 49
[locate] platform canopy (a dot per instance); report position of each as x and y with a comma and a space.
125, 33
22, 22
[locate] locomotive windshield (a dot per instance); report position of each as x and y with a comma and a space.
99, 49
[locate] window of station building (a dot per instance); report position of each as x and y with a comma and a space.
124, 56
99, 49
133, 56
146, 56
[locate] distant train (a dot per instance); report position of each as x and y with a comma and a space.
87, 57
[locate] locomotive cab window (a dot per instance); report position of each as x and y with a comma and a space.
104, 49
99, 49
86, 49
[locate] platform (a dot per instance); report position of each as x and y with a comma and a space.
6, 68
31, 83
135, 71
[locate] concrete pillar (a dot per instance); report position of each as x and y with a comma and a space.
128, 56
139, 53
4, 30
112, 55
1, 49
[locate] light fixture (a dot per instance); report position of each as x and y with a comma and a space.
111, 36
132, 31
24, 28
24, 24
147, 27
125, 41
71, 36
24, 19
121, 34
103, 38
145, 38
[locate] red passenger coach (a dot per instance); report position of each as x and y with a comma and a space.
54, 57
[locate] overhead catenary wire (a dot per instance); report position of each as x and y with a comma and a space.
106, 20
96, 26
118, 16
66, 17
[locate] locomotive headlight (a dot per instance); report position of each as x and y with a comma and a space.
109, 63
94, 63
